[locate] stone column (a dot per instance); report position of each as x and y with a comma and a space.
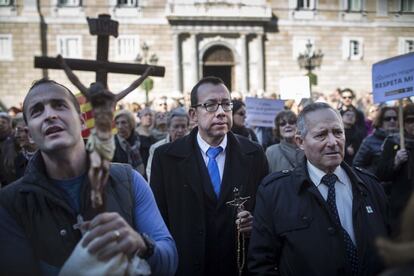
260, 64
194, 42
244, 65
178, 87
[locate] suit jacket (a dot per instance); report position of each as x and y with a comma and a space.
202, 225
295, 234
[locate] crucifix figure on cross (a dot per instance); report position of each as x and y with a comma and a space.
100, 144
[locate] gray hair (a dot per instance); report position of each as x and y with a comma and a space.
128, 115
177, 112
301, 125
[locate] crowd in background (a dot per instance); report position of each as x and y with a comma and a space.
371, 131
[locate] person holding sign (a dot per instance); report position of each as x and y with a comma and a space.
396, 165
385, 123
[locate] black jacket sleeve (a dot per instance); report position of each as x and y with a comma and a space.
264, 247
16, 254
363, 157
385, 170
156, 183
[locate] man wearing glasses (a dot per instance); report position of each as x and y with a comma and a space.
347, 97
193, 178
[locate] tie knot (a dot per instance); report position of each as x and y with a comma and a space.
213, 152
329, 179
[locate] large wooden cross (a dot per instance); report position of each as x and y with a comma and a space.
100, 144
103, 27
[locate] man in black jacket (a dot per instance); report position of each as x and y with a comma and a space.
322, 217
40, 213
347, 98
192, 194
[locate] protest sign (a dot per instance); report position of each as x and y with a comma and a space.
262, 112
294, 88
393, 78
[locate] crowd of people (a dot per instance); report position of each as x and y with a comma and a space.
323, 192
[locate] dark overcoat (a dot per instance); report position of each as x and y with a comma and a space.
204, 227
295, 234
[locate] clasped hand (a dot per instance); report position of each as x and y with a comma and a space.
109, 234
244, 222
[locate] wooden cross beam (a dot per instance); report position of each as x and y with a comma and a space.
103, 27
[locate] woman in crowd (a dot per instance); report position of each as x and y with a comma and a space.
285, 155
146, 117
372, 113
239, 118
353, 137
127, 141
385, 123
397, 166
159, 131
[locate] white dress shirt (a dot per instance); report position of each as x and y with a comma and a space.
220, 159
343, 195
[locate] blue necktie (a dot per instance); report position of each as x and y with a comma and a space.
213, 169
351, 250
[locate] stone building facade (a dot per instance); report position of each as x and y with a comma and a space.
251, 44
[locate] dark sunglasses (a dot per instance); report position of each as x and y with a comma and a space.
389, 118
409, 120
290, 122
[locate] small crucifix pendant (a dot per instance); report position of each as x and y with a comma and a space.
238, 201
79, 222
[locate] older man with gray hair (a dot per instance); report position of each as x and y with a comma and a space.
322, 217
177, 127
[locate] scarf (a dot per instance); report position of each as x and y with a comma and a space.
131, 147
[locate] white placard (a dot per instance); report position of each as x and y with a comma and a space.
262, 112
393, 78
294, 88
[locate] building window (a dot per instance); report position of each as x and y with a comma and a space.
353, 48
6, 49
69, 3
127, 3
6, 3
406, 45
354, 5
70, 46
407, 6
306, 4
127, 47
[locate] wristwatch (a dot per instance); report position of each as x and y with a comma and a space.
150, 244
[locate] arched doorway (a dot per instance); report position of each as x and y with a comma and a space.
218, 61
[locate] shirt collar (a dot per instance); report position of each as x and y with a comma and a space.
316, 174
204, 146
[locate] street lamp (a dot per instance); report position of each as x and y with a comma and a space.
148, 83
309, 60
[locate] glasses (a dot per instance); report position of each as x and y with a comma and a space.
389, 118
213, 107
290, 122
409, 120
